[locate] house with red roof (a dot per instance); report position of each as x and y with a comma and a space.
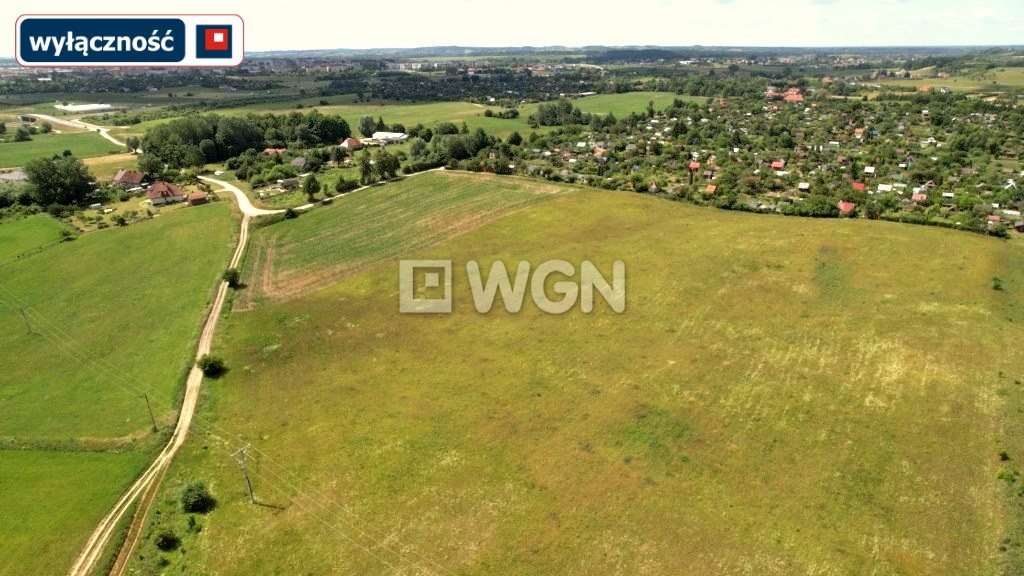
859, 186
164, 193
351, 144
130, 178
846, 208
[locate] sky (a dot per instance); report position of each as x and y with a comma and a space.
321, 24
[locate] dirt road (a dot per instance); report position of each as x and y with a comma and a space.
150, 479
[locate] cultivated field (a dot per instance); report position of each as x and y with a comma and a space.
379, 223
781, 396
81, 144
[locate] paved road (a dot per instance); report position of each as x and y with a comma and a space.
104, 131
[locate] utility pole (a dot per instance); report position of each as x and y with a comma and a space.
151, 418
240, 454
27, 323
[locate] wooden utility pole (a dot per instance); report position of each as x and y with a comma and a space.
151, 418
240, 454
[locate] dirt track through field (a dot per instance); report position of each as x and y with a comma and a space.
144, 490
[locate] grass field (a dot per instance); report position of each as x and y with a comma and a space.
131, 297
105, 167
81, 144
622, 104
435, 112
26, 235
52, 500
996, 80
781, 396
370, 225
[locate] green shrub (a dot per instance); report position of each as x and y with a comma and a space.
196, 498
233, 277
212, 366
167, 541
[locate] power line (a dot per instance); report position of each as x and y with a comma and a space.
102, 368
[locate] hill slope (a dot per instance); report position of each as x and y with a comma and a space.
780, 396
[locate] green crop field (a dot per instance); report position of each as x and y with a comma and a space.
380, 222
780, 396
52, 500
26, 235
131, 297
81, 144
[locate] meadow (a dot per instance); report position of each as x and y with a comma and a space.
27, 235
996, 80
626, 103
52, 500
433, 113
780, 396
81, 144
130, 298
105, 167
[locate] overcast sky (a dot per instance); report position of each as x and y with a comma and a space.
321, 24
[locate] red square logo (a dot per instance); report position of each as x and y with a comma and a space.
217, 39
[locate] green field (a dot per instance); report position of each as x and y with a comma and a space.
27, 235
377, 223
781, 396
997, 80
131, 297
52, 500
623, 104
432, 113
81, 144
105, 167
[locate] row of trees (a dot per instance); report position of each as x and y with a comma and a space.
197, 140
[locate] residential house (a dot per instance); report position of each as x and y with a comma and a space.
352, 144
164, 193
130, 178
846, 207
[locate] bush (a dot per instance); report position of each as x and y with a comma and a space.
196, 498
1005, 475
212, 366
291, 213
232, 276
167, 541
